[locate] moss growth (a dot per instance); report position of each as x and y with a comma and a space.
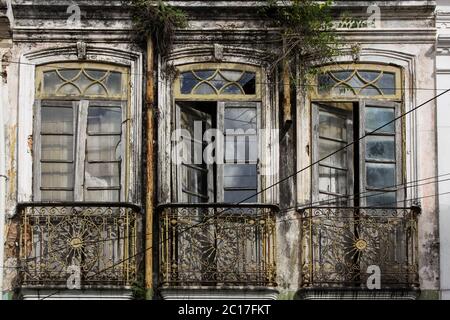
429, 295
287, 295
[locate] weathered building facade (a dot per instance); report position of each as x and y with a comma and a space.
442, 81
109, 191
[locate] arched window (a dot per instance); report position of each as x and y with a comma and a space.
220, 98
350, 101
348, 81
80, 132
217, 81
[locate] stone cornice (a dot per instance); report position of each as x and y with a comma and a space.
32, 9
124, 34
443, 20
360, 35
443, 45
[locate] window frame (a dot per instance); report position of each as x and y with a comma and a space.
395, 101
40, 93
316, 95
81, 106
315, 151
363, 188
221, 105
217, 192
178, 161
217, 97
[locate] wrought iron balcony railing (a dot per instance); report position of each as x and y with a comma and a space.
217, 245
348, 247
96, 242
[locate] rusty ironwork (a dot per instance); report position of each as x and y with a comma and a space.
217, 245
98, 238
344, 247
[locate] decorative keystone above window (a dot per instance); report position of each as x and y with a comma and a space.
79, 80
358, 81
213, 81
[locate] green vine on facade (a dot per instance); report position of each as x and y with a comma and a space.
158, 21
308, 35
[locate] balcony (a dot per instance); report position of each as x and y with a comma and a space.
97, 241
217, 245
344, 249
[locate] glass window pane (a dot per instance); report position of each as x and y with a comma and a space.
332, 126
248, 82
253, 148
380, 199
204, 88
239, 196
114, 83
355, 83
188, 82
102, 195
51, 82
240, 118
104, 120
332, 200
241, 144
229, 148
102, 175
204, 74
232, 89
387, 83
369, 76
57, 120
194, 180
240, 173
240, 182
83, 82
370, 91
96, 74
342, 75
380, 175
68, 90
232, 76
57, 175
47, 195
96, 89
57, 148
218, 81
332, 180
103, 148
377, 117
327, 147
70, 74
76, 82
325, 83
344, 90
380, 148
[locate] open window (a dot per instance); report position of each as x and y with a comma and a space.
219, 158
351, 102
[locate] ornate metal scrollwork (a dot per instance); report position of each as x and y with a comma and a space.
99, 239
340, 244
210, 245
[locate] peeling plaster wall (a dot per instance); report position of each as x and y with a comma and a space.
42, 34
406, 39
443, 132
5, 57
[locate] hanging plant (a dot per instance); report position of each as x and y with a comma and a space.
308, 35
158, 21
